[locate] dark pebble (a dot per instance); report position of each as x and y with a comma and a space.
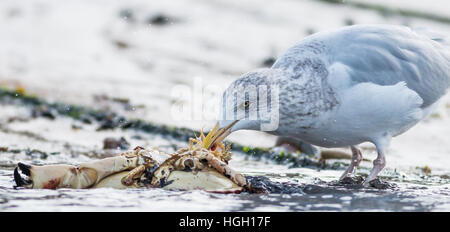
121, 44
160, 20
379, 184
354, 180
262, 184
76, 127
35, 152
310, 31
113, 143
269, 61
111, 122
349, 22
43, 111
85, 119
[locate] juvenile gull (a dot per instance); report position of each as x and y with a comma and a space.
363, 83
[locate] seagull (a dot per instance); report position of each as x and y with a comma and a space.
340, 88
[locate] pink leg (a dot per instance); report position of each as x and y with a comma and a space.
356, 159
378, 165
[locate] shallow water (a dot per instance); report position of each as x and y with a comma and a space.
412, 191
316, 197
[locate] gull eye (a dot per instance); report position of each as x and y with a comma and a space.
246, 104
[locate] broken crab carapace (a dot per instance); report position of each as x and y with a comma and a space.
194, 167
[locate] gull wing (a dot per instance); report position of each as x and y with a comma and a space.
381, 54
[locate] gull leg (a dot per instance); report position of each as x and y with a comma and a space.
378, 165
356, 159
291, 144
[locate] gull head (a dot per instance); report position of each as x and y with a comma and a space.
250, 103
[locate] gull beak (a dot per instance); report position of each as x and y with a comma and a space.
217, 134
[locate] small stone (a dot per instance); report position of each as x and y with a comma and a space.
76, 127
310, 31
43, 111
121, 44
379, 184
269, 61
113, 143
354, 180
349, 22
160, 20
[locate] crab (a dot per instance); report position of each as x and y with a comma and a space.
201, 165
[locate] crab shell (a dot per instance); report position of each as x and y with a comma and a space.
209, 180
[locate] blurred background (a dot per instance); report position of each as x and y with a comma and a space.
86, 52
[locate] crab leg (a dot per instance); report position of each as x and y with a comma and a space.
161, 174
129, 178
223, 168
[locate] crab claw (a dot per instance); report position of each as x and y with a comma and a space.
84, 175
20, 181
25, 168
